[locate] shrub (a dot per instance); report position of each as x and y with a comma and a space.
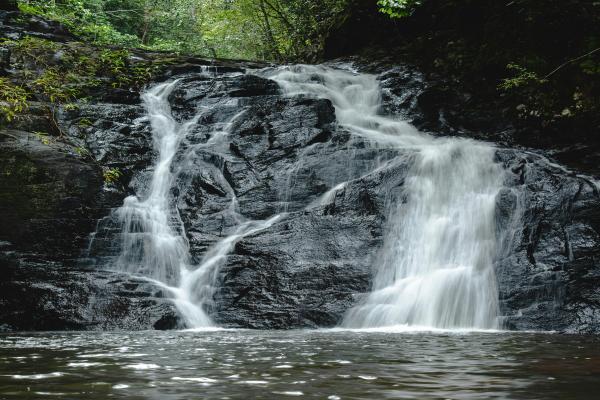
397, 8
13, 100
112, 175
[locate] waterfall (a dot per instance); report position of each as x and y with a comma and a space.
435, 269
153, 241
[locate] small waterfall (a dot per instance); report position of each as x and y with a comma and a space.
435, 269
153, 241
436, 266
197, 285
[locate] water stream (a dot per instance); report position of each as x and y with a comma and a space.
153, 240
435, 269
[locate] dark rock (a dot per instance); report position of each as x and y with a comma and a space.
265, 154
45, 182
50, 198
9, 5
305, 271
549, 273
15, 25
4, 60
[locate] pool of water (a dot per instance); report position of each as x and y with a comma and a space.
244, 364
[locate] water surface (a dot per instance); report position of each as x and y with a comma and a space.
244, 364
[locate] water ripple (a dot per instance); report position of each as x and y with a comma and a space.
313, 364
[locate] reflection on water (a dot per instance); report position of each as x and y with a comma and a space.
311, 364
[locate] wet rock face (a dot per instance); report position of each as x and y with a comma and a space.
549, 270
50, 200
435, 105
547, 216
279, 157
267, 154
45, 196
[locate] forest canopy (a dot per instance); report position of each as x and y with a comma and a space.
275, 30
522, 50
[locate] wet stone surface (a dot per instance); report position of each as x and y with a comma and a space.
269, 154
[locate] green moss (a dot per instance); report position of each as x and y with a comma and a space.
57, 87
13, 100
64, 74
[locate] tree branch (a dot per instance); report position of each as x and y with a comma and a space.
569, 62
282, 17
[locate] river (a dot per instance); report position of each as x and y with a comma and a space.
323, 364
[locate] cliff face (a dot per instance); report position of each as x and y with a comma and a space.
52, 194
281, 154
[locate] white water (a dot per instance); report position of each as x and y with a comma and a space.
154, 244
436, 267
197, 285
435, 270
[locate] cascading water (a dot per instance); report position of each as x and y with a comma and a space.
154, 244
436, 267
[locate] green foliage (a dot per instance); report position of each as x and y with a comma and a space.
112, 175
64, 74
114, 61
71, 106
252, 29
32, 48
397, 8
43, 137
553, 66
13, 100
521, 77
83, 17
548, 98
590, 67
541, 99
530, 91
85, 122
61, 73
269, 29
141, 73
82, 152
33, 45
56, 86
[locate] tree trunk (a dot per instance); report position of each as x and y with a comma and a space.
145, 27
269, 32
